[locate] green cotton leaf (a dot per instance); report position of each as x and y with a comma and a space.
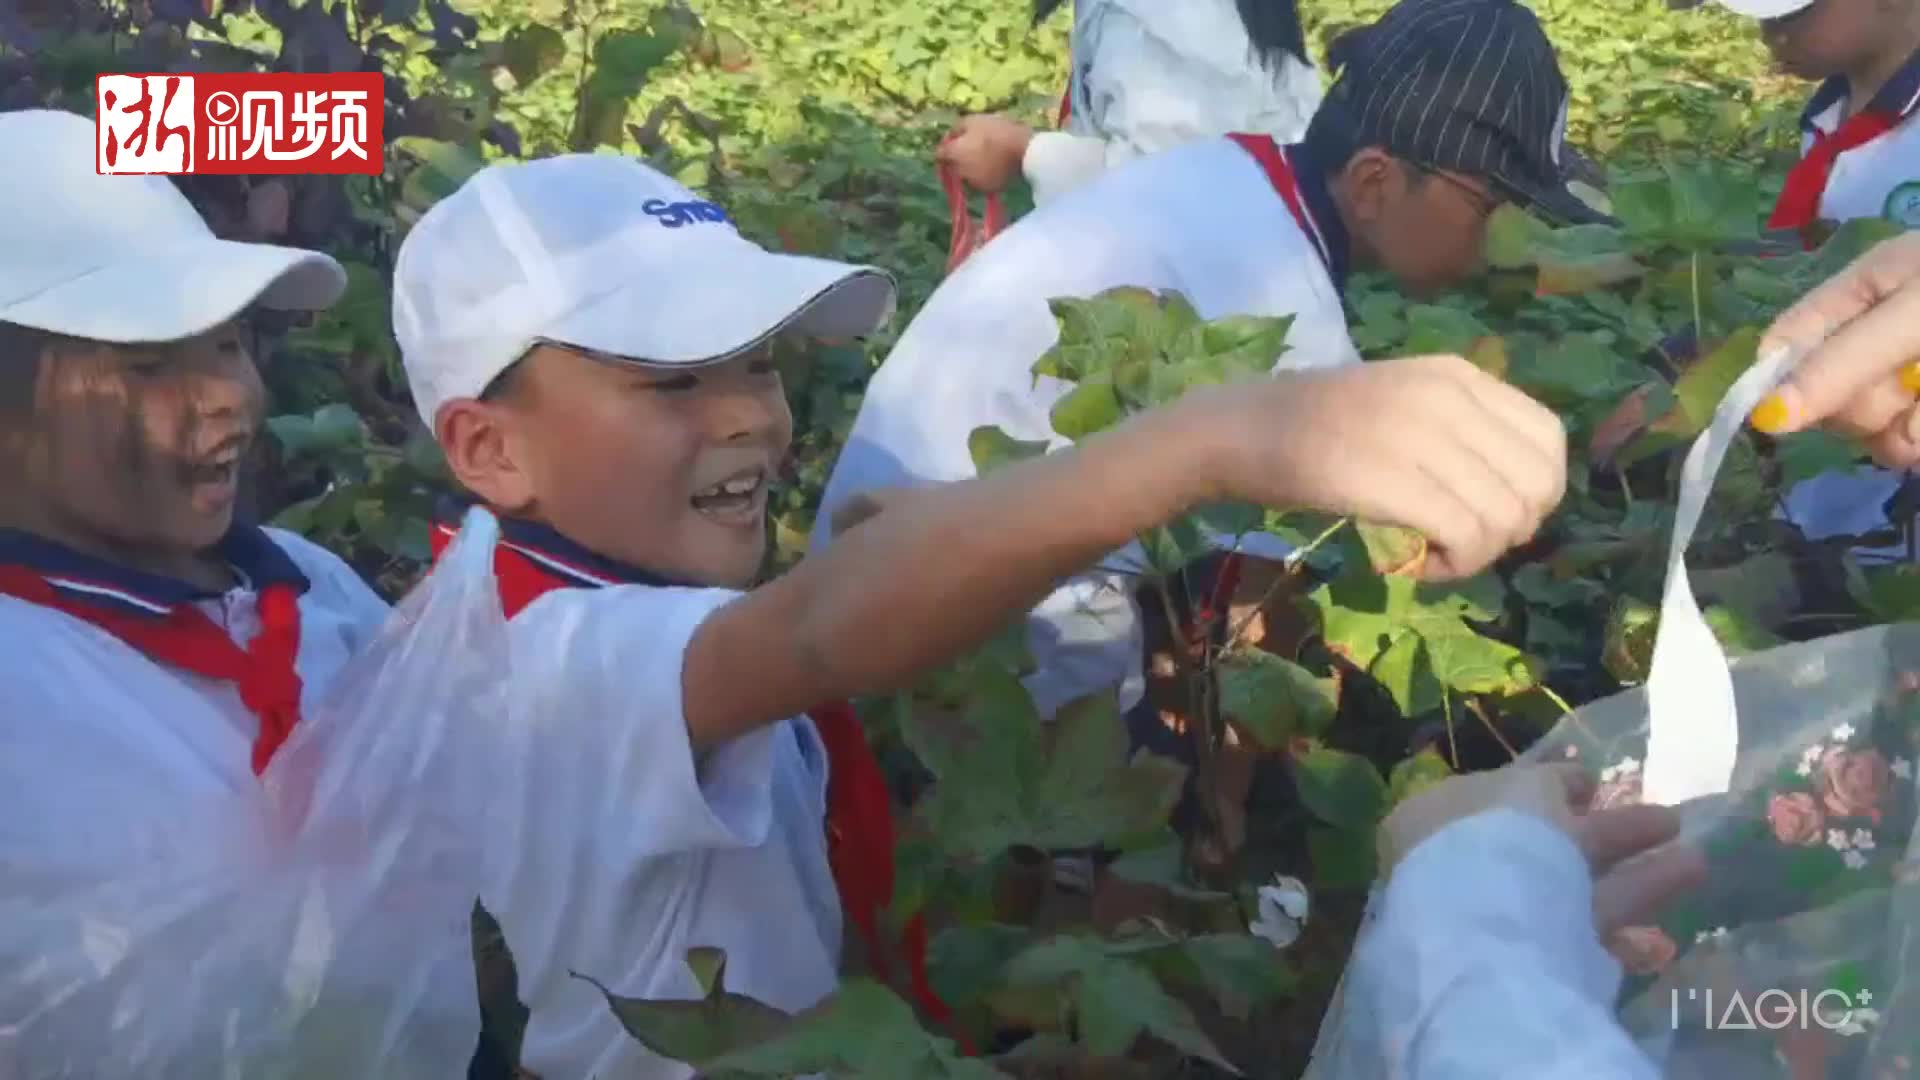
1359, 613
1807, 454
1001, 783
1539, 585
1088, 742
1737, 632
604, 102
1889, 593
627, 57
1627, 651
331, 428
1231, 519
1701, 387
864, 1029
1414, 775
1241, 972
1342, 789
439, 170
1572, 371
1405, 670
696, 1031
965, 963
1695, 206
1467, 662
531, 51
359, 324
1093, 406
1274, 699
1342, 858
1172, 547
993, 448
1115, 996
1432, 328
1248, 343
1511, 236
1393, 549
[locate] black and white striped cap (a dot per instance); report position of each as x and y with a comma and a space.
1467, 85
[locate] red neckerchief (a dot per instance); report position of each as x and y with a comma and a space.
1273, 161
265, 673
859, 825
1799, 204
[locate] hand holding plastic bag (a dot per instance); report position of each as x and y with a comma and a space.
314, 926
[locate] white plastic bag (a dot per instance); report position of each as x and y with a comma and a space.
1793, 771
315, 926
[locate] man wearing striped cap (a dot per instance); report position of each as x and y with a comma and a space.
1442, 111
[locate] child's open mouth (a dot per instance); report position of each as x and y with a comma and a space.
739, 501
216, 477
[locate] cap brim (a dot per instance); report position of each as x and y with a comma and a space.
176, 294
1765, 9
687, 318
1556, 202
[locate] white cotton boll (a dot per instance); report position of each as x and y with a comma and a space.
1283, 911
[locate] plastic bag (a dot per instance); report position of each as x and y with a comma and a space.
1792, 770
317, 925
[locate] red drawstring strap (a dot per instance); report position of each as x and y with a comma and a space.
968, 235
265, 673
1799, 204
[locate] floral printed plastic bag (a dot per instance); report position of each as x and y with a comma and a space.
1793, 771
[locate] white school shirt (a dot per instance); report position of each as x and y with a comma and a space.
1879, 179
104, 753
617, 850
1203, 218
1481, 962
1152, 74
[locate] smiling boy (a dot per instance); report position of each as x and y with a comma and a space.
602, 380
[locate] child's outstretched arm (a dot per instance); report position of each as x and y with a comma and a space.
1430, 443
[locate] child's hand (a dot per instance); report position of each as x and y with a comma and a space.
1861, 379
985, 151
1431, 443
1637, 870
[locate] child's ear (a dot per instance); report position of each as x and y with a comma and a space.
476, 438
1369, 182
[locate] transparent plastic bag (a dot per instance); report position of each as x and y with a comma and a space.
315, 926
1792, 770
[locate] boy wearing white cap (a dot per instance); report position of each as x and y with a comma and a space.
145, 627
1860, 158
590, 343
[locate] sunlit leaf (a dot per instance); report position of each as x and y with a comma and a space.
1274, 699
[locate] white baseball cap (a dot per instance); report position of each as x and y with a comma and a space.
603, 253
1765, 9
126, 259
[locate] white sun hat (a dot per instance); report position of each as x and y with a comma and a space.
600, 252
126, 259
1765, 9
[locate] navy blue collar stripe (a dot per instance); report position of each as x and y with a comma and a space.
1328, 234
1898, 98
252, 554
548, 549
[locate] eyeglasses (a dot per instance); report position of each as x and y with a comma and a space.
1484, 202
